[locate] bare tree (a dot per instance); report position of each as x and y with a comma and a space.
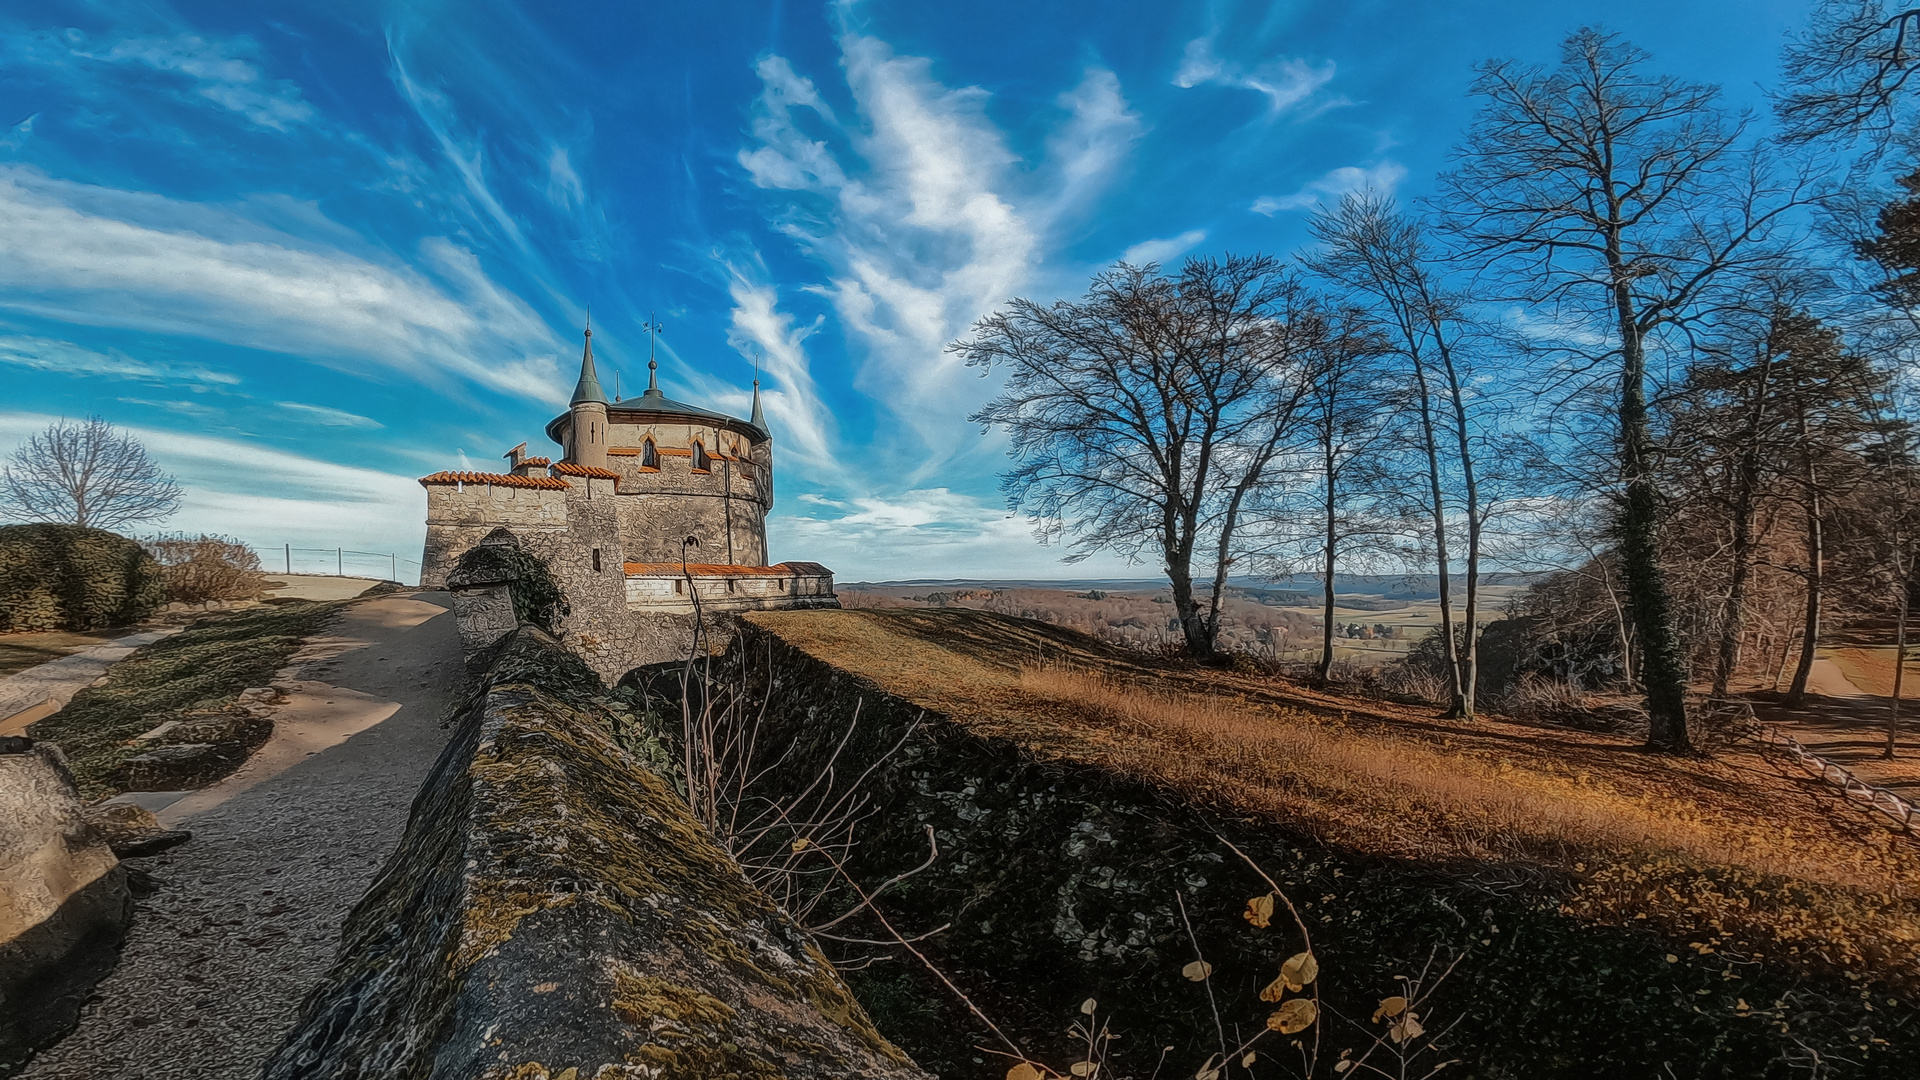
1146, 415
86, 473
1616, 200
1849, 73
1380, 256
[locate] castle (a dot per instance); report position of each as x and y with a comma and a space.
654, 504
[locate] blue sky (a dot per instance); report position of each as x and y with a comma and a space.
309, 252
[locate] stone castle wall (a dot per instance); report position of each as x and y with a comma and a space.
460, 516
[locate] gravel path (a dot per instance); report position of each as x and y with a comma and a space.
249, 912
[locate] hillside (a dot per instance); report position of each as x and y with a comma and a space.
1721, 856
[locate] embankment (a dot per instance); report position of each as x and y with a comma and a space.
1064, 880
554, 912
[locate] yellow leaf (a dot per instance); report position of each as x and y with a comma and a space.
1299, 970
1392, 1006
1247, 1061
1274, 990
1081, 1068
1197, 971
1087, 1007
1259, 911
1207, 1071
1295, 1015
1342, 1066
1024, 1071
802, 844
1407, 1029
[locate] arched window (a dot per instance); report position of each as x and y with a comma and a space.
649, 457
701, 462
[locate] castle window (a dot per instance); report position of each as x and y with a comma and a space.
596, 560
679, 585
701, 462
649, 457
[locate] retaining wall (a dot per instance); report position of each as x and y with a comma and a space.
554, 912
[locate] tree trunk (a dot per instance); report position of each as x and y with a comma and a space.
1746, 480
1326, 617
1810, 633
1470, 646
1663, 668
1458, 703
1899, 664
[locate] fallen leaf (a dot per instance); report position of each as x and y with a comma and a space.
1024, 1071
1274, 990
802, 844
1081, 1068
1087, 1007
1197, 971
1247, 1062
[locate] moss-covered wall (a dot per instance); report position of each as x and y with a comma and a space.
1060, 882
554, 911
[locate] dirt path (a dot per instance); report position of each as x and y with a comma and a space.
1847, 726
248, 913
58, 680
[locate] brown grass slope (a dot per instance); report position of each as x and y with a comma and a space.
1721, 855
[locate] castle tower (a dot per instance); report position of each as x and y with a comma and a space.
587, 439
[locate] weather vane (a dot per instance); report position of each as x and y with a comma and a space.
652, 329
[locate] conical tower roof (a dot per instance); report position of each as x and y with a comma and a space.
759, 418
588, 388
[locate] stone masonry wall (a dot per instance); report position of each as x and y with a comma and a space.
458, 519
554, 911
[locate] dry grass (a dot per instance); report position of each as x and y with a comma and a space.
1724, 855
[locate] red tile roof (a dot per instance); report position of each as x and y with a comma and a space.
785, 569
570, 469
535, 461
547, 483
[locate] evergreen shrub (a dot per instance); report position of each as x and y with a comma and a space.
68, 577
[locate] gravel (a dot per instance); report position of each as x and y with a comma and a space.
247, 915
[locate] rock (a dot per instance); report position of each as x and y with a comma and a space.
220, 728
181, 765
15, 744
64, 903
554, 910
131, 830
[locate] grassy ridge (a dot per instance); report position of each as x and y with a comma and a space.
201, 668
1722, 856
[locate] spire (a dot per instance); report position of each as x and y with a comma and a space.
653, 380
588, 388
758, 419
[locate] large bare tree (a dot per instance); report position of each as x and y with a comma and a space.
1380, 257
1145, 416
1616, 201
1850, 73
86, 472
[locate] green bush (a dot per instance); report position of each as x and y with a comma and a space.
66, 577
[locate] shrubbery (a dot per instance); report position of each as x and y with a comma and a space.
67, 577
202, 569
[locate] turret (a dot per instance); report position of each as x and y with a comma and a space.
587, 442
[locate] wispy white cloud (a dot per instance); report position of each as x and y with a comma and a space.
269, 497
930, 532
320, 414
922, 215
564, 188
48, 354
91, 256
1333, 184
1163, 249
1285, 81
223, 72
791, 397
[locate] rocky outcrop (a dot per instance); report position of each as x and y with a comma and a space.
554, 911
64, 902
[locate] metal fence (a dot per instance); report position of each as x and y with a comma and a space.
341, 562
